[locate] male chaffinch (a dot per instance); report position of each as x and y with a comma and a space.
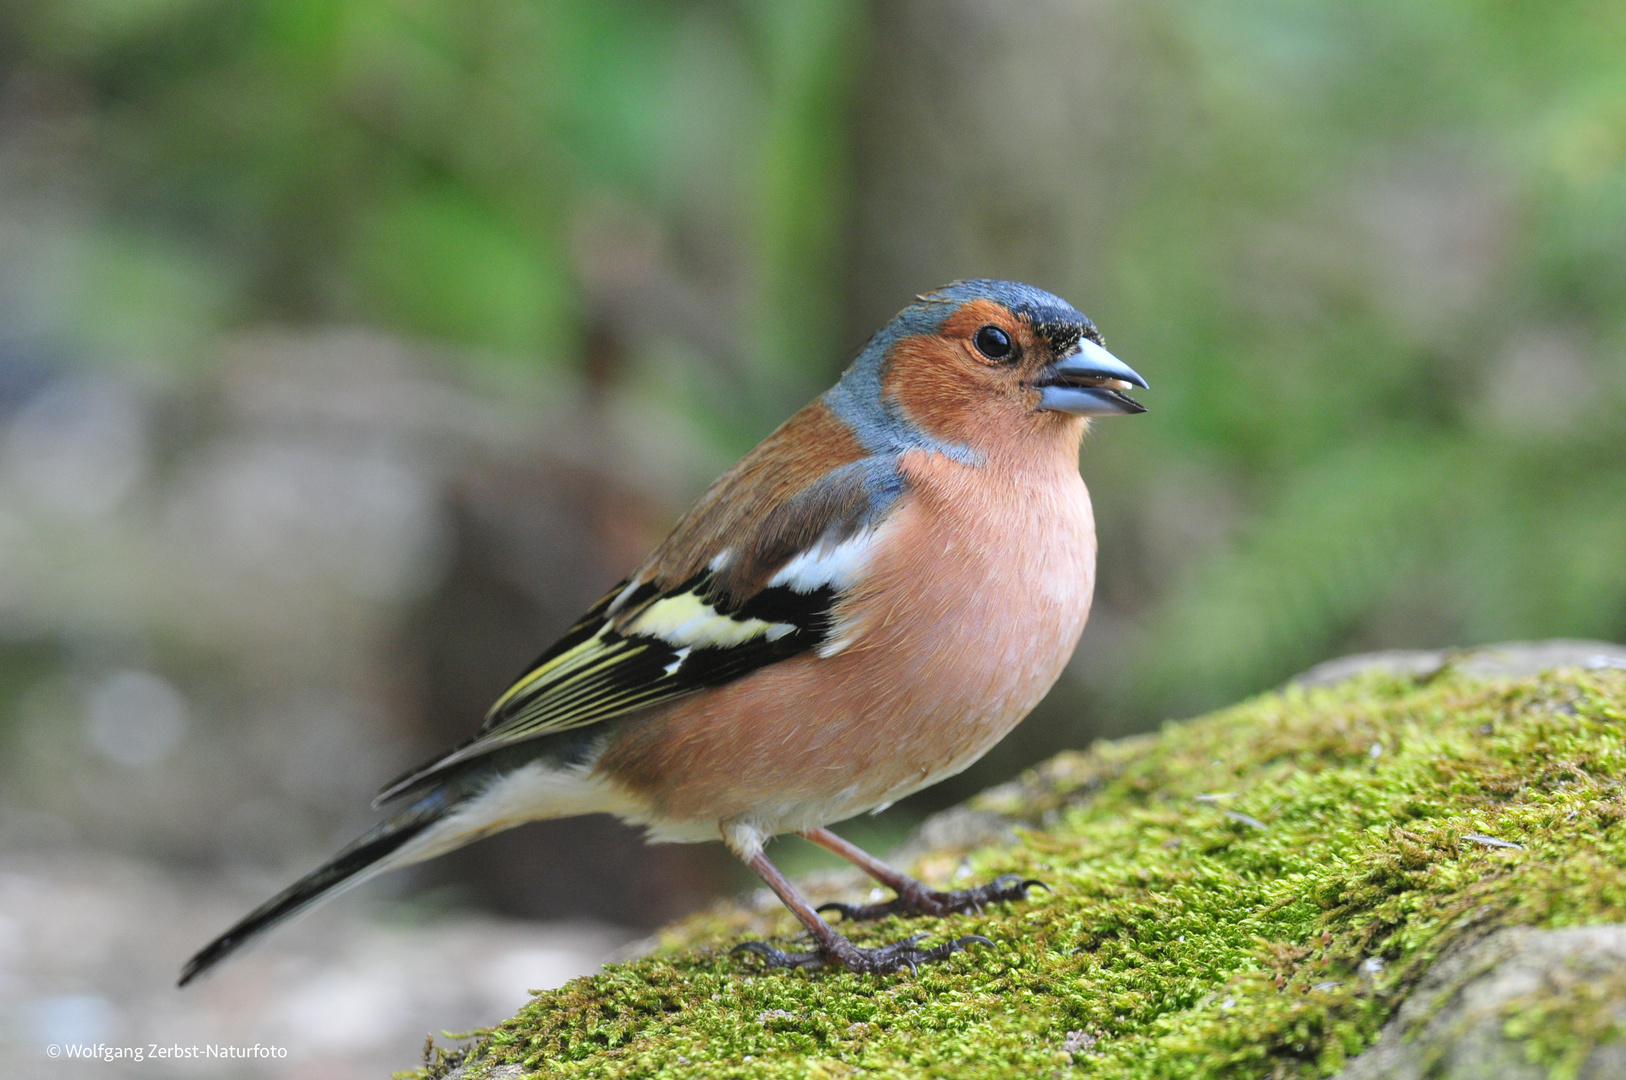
860, 607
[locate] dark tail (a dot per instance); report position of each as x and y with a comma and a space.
352, 866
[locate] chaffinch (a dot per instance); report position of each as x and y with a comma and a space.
860, 607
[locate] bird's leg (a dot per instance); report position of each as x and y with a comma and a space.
830, 947
914, 897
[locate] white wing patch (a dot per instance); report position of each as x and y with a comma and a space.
837, 566
834, 566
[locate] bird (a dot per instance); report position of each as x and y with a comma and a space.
861, 606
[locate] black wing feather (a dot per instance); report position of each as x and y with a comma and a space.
600, 669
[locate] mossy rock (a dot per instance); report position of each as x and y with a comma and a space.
1250, 894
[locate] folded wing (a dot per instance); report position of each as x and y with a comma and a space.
735, 587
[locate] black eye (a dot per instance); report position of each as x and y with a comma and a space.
993, 343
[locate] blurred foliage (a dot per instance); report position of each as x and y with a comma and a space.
427, 166
1380, 283
1372, 257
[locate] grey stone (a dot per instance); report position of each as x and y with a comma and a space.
1511, 660
1453, 1026
494, 1072
957, 829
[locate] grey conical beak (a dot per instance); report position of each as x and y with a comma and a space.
1089, 382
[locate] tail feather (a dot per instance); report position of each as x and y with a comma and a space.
367, 856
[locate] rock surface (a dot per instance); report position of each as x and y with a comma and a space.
1520, 1004
1513, 659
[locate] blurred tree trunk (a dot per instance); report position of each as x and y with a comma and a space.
535, 547
978, 148
981, 132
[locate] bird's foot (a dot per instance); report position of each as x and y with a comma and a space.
916, 899
840, 952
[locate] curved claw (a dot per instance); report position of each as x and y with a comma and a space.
1016, 881
842, 953
923, 901
864, 912
778, 958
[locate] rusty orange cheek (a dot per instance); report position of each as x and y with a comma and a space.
946, 388
937, 385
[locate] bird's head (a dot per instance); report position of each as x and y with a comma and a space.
981, 364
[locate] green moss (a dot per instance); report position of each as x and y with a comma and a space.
1182, 938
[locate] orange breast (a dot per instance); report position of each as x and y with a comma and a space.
970, 609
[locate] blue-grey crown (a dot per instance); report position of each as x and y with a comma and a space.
1049, 313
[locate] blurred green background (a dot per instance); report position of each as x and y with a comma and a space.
347, 347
